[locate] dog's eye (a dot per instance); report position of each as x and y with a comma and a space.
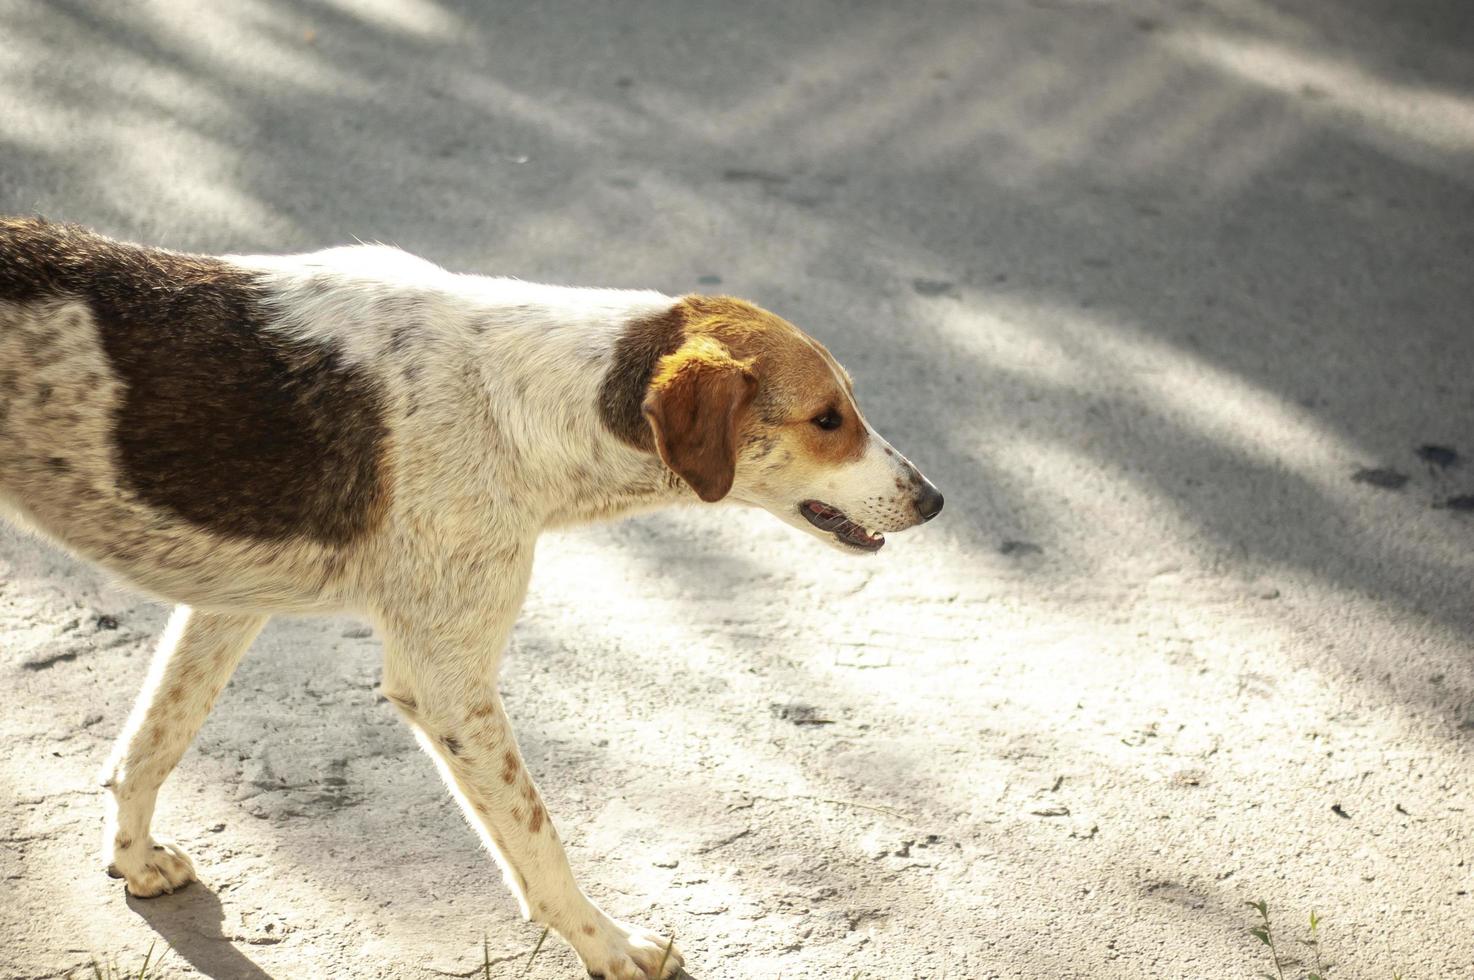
828, 421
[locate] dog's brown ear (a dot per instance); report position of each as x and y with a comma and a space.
697, 402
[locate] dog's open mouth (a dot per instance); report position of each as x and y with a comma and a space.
837, 523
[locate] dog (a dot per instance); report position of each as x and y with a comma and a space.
360, 430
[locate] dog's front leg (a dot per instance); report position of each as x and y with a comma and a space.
440, 671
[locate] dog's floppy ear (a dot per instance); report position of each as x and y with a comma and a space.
697, 401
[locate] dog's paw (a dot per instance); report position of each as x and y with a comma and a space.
617, 951
149, 868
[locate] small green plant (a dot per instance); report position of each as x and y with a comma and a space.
1264, 932
1314, 943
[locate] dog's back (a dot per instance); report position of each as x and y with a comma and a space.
150, 421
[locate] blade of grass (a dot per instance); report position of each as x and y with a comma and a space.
660, 970
540, 940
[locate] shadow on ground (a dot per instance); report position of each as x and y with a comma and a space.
1112, 274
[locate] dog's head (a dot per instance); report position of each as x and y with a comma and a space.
744, 405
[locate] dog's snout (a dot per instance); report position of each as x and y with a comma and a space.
928, 500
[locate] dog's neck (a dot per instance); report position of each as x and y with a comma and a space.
625, 482
567, 384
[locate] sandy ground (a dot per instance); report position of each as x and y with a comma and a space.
1166, 297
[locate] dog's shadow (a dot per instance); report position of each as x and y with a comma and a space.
190, 921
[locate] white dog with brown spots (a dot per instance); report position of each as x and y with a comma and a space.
360, 430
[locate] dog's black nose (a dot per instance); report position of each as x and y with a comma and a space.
928, 501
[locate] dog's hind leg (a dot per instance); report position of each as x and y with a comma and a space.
195, 657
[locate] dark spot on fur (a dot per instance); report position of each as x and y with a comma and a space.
124, 843
770, 409
58, 464
43, 394
400, 337
223, 423
622, 393
452, 744
761, 446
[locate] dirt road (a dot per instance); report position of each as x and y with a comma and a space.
1169, 299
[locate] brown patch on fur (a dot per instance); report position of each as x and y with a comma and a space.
535, 824
451, 743
509, 768
124, 843
234, 428
484, 710
587, 929
638, 350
